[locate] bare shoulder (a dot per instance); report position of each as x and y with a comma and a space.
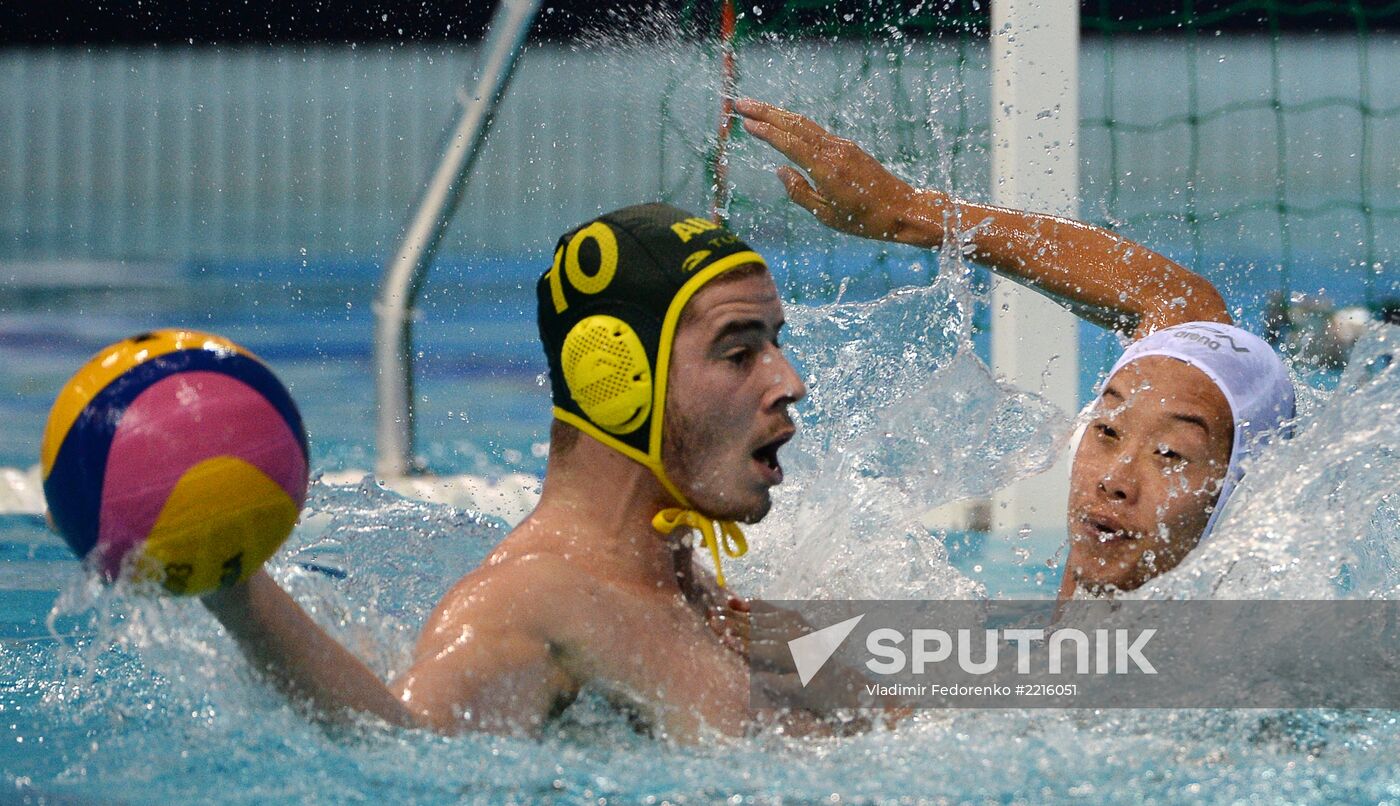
520, 594
488, 656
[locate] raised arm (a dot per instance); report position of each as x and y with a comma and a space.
1103, 278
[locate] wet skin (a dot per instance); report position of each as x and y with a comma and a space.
1135, 509
585, 591
727, 406
1146, 475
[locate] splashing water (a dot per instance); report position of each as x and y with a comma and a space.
145, 699
901, 417
1315, 517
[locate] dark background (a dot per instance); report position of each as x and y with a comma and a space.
183, 22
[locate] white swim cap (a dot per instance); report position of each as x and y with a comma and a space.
1247, 371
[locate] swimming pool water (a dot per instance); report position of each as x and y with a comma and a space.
141, 700
147, 704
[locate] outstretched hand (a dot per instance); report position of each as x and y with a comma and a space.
849, 190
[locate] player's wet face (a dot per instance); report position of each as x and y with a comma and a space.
729, 389
1147, 473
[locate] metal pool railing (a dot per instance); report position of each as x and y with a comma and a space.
403, 277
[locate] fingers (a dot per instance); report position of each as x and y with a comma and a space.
771, 657
731, 624
756, 109
789, 144
738, 644
779, 118
802, 192
796, 137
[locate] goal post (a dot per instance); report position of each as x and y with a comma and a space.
1034, 53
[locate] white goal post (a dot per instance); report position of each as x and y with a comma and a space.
1034, 53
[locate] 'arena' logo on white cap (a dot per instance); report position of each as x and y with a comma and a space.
1209, 338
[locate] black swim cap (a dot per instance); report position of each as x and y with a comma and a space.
608, 311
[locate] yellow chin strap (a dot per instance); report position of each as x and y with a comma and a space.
668, 520
609, 377
672, 518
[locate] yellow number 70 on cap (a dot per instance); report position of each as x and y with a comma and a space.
602, 235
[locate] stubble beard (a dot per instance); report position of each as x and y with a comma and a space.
687, 472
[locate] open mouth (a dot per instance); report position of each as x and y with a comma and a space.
766, 455
1106, 529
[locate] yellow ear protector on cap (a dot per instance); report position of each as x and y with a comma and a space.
606, 369
609, 308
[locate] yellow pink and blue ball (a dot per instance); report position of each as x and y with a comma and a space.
177, 454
